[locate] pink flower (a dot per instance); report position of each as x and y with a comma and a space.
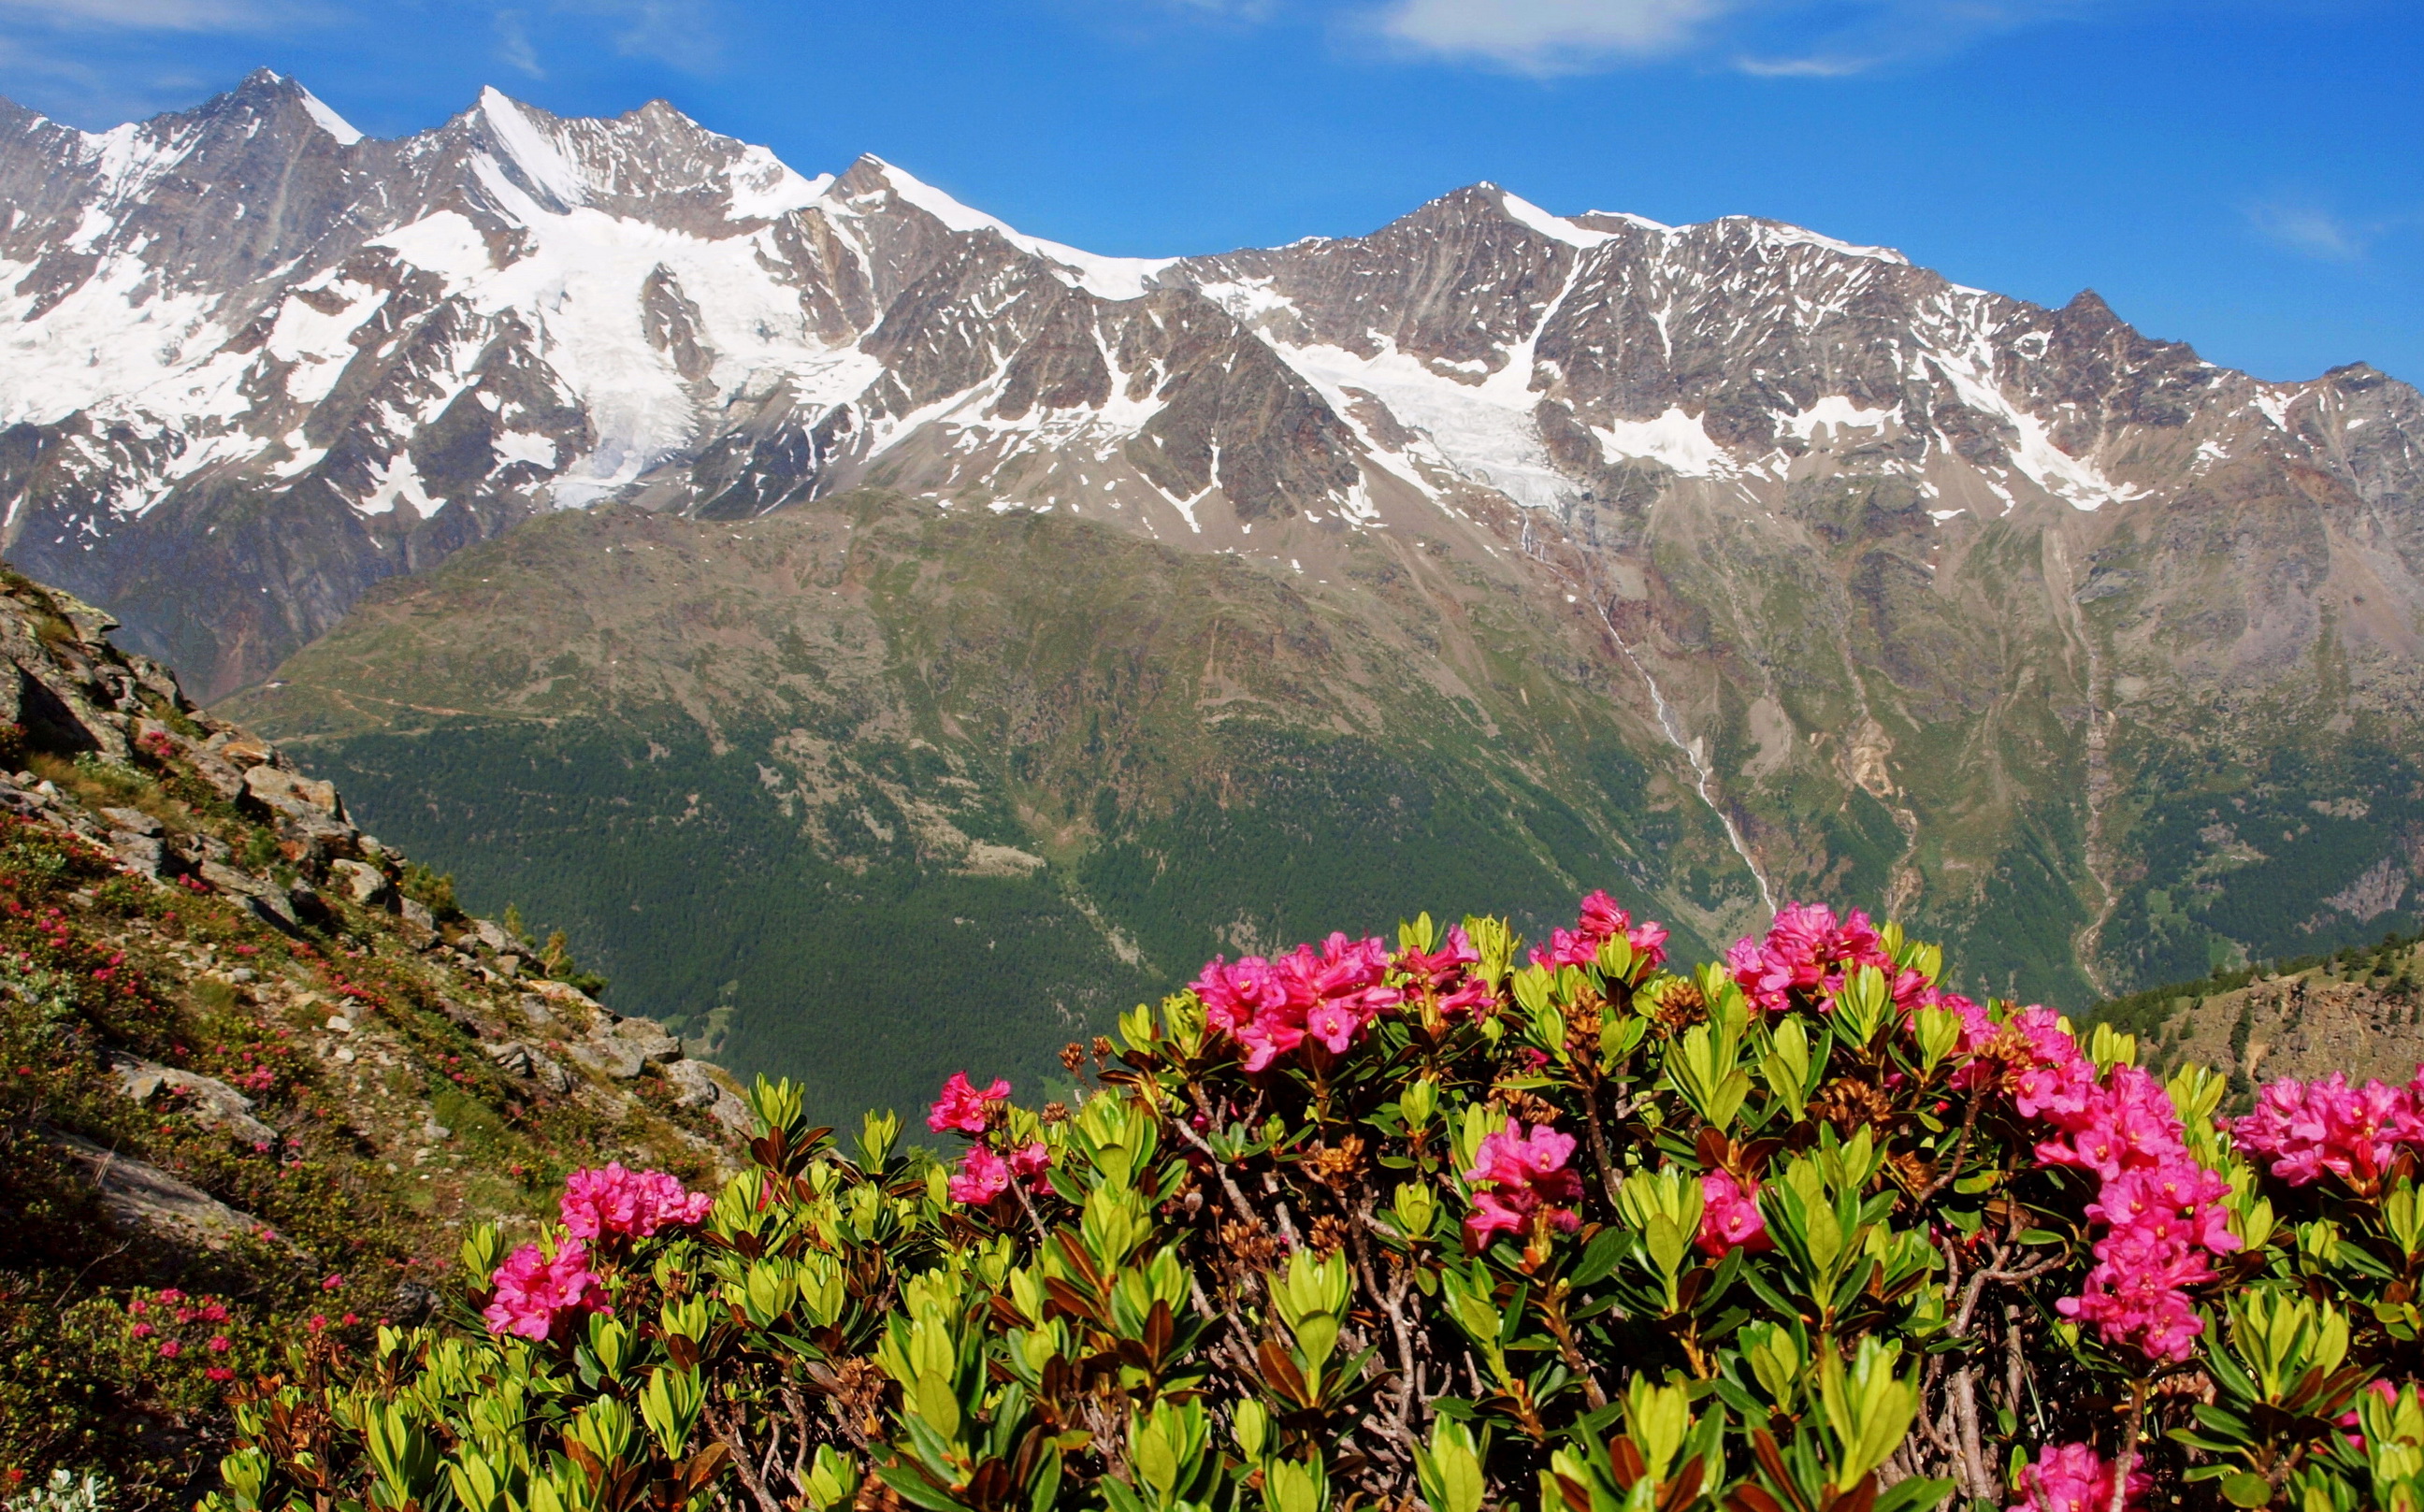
220, 1343
220, 1373
2073, 1477
1525, 1174
535, 1291
1031, 1163
2327, 1126
1807, 950
141, 1331
2350, 1420
1441, 976
1730, 1216
1271, 1007
983, 1175
171, 1349
1602, 919
332, 1283
962, 1107
2161, 1211
627, 1204
1333, 1025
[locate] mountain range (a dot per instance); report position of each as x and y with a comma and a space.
758, 573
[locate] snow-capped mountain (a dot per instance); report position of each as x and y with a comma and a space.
256, 360
1869, 557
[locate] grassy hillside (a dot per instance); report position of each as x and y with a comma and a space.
255, 1069
865, 792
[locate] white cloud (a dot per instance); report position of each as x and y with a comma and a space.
1550, 36
682, 33
514, 44
2309, 231
158, 15
1774, 38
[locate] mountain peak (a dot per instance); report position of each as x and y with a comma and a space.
520, 131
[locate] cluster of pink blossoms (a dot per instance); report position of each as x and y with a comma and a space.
536, 1291
613, 1203
1603, 920
984, 1172
2313, 1127
1443, 977
1272, 1007
1525, 1176
962, 1107
2073, 1477
1730, 1216
2161, 1211
1808, 949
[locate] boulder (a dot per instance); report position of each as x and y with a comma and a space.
266, 899
139, 1195
610, 1055
132, 820
562, 994
141, 854
215, 1104
365, 884
648, 1038
550, 1074
512, 1058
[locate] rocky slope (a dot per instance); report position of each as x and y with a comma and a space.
2089, 655
2360, 1013
257, 1066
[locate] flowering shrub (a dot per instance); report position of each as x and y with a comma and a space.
1458, 1224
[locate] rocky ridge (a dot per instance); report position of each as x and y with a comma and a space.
259, 1066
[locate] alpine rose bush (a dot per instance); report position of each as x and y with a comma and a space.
536, 1291
1462, 1223
613, 1203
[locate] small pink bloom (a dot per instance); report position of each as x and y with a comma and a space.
962, 1107
220, 1343
1524, 1175
982, 1176
2073, 1477
171, 1349
535, 1291
1031, 1163
1730, 1216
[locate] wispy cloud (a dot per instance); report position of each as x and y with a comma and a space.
682, 33
514, 44
103, 61
1774, 39
158, 15
1550, 36
2310, 230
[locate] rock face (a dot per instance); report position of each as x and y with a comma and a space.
142, 1198
1932, 599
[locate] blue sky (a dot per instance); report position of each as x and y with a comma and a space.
2247, 175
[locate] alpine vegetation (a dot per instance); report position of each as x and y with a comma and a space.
1454, 1225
